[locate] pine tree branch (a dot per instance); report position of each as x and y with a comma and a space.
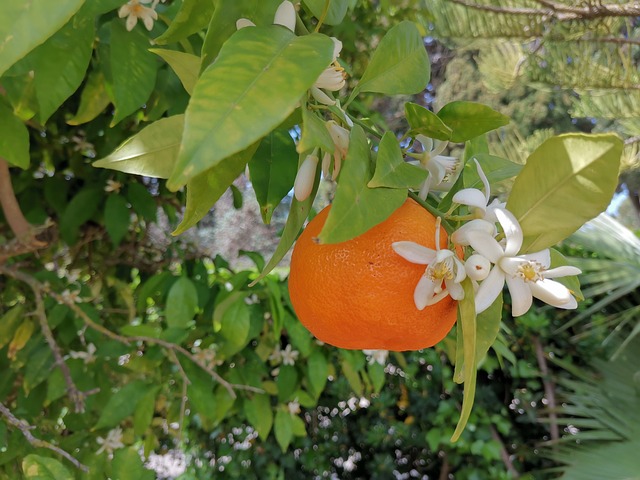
25, 428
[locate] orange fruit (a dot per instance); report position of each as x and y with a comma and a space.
358, 294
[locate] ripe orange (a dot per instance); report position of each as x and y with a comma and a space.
358, 294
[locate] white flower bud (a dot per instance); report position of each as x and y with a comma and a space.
477, 267
286, 15
305, 178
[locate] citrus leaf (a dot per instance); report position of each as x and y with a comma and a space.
9, 324
127, 465
182, 303
335, 10
317, 372
314, 133
356, 207
121, 404
79, 210
185, 65
425, 122
204, 190
14, 139
255, 83
143, 413
36, 467
391, 169
259, 414
287, 382
273, 170
566, 182
495, 168
193, 16
152, 152
133, 70
93, 99
116, 218
25, 25
400, 64
469, 119
467, 319
235, 321
488, 326
143, 203
283, 429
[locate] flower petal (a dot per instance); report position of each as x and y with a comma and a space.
543, 257
423, 292
286, 15
337, 47
512, 231
564, 271
460, 236
521, 298
551, 292
414, 252
427, 143
489, 289
455, 289
485, 182
438, 147
321, 97
485, 245
244, 22
471, 197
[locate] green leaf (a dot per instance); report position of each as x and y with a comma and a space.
487, 328
299, 336
144, 411
127, 465
185, 65
334, 14
425, 122
79, 210
287, 382
61, 63
566, 182
572, 282
271, 69
236, 322
14, 139
223, 22
204, 190
467, 319
133, 69
400, 64
36, 467
377, 376
193, 16
38, 368
273, 170
122, 404
25, 25
283, 428
143, 203
93, 99
495, 168
182, 304
317, 372
469, 119
356, 207
352, 376
116, 218
152, 152
9, 324
391, 169
314, 133
259, 414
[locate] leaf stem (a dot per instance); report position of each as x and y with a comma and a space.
325, 10
434, 211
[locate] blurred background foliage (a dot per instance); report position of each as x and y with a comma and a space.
558, 394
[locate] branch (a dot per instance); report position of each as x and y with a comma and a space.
25, 428
506, 458
549, 389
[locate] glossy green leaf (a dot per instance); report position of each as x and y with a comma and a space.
143, 413
9, 324
317, 372
400, 64
566, 182
61, 63
287, 382
356, 207
36, 467
235, 321
352, 376
377, 376
116, 217
487, 328
182, 303
334, 13
299, 336
79, 210
298, 427
271, 69
314, 133
121, 404
143, 203
423, 121
391, 169
204, 190
283, 428
259, 414
127, 465
133, 70
495, 168
467, 319
152, 152
469, 119
193, 16
273, 170
38, 368
93, 99
185, 65
223, 22
25, 25
14, 139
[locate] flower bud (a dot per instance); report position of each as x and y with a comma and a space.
305, 178
286, 15
477, 267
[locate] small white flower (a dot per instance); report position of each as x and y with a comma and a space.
294, 407
133, 10
527, 276
88, 356
289, 356
305, 178
443, 266
71, 297
276, 355
333, 78
340, 137
112, 186
477, 201
442, 169
377, 356
111, 443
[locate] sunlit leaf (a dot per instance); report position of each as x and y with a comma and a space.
14, 139
182, 303
36, 467
495, 168
469, 119
283, 429
93, 99
193, 16
391, 169
185, 65
425, 122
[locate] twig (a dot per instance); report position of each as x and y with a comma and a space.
446, 468
506, 458
25, 428
185, 384
549, 389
